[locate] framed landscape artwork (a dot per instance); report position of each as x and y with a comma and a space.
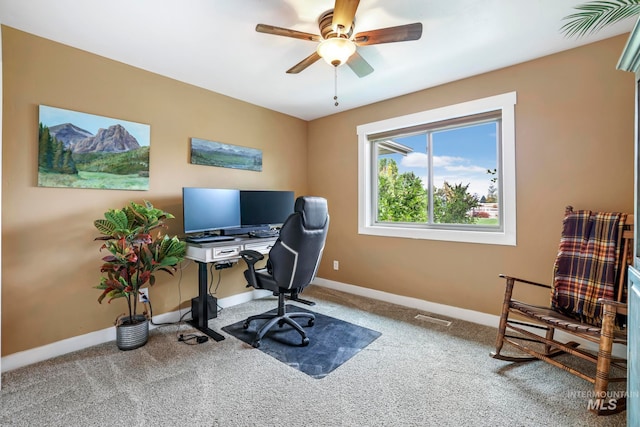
80, 150
211, 153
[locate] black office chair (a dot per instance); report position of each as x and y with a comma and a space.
292, 264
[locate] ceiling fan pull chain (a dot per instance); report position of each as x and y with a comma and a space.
335, 85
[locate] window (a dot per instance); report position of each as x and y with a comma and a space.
443, 174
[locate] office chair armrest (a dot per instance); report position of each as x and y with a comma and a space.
251, 258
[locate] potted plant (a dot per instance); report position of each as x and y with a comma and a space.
135, 255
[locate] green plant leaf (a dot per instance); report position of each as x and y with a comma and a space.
170, 261
118, 218
105, 227
595, 15
173, 247
115, 293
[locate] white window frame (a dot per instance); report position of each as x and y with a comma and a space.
366, 217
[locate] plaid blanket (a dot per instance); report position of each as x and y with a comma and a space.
586, 267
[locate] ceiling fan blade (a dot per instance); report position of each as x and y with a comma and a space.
359, 66
344, 12
401, 33
304, 63
278, 31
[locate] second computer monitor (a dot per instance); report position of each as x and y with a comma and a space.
265, 207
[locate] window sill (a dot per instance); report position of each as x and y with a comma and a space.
507, 238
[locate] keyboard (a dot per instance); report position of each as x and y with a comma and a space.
264, 233
208, 239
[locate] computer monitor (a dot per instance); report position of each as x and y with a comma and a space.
210, 209
265, 207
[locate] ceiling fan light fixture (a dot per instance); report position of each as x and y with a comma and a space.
337, 50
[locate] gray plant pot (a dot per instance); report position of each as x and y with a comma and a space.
131, 336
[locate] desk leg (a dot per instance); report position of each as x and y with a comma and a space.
203, 312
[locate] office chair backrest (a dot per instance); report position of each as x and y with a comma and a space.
295, 257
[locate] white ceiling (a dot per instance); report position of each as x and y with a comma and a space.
213, 43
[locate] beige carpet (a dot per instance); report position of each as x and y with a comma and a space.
417, 373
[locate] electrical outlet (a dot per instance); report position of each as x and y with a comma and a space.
336, 265
143, 294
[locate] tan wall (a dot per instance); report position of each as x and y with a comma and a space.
574, 146
50, 262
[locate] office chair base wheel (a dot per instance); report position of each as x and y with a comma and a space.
311, 322
305, 341
256, 344
245, 325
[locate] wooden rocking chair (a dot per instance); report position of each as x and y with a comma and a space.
588, 301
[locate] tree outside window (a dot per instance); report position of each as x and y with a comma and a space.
453, 169
441, 174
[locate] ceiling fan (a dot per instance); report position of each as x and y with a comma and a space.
337, 43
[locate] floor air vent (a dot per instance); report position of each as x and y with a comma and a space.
433, 320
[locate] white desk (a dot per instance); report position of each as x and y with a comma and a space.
228, 250
219, 252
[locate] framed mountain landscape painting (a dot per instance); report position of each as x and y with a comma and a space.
80, 150
211, 153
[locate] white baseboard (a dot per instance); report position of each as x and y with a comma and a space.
58, 348
432, 307
38, 354
452, 312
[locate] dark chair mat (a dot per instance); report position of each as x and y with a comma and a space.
332, 342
